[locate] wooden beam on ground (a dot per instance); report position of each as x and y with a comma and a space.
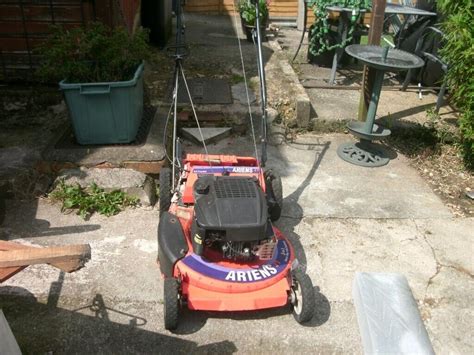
7, 272
67, 258
375, 35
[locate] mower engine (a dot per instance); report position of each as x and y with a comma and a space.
231, 216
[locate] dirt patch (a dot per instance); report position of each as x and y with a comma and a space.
433, 150
444, 171
30, 116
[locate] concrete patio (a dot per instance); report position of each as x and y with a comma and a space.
340, 218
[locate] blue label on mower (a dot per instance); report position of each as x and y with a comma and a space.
226, 169
261, 272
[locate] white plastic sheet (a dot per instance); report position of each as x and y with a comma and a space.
388, 316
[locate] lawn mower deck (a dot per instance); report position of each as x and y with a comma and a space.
218, 248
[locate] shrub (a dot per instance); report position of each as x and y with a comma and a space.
94, 53
458, 52
248, 13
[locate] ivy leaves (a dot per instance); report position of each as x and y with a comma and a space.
320, 40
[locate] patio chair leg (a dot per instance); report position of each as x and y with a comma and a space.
440, 100
407, 80
335, 60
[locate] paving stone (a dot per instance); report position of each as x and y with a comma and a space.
240, 94
210, 134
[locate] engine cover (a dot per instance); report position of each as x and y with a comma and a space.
233, 207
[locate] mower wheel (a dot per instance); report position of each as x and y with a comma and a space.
302, 297
275, 190
165, 189
171, 303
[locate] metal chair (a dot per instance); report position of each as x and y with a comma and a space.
430, 57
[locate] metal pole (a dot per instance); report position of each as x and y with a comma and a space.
374, 101
263, 86
175, 129
374, 97
51, 10
375, 35
178, 58
25, 33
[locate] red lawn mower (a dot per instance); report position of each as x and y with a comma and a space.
218, 249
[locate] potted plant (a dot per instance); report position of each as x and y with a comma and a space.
248, 16
101, 73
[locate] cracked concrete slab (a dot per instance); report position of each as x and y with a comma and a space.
320, 184
448, 313
338, 248
451, 242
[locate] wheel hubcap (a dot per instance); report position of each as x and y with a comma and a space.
297, 298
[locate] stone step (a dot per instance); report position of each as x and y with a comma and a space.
209, 134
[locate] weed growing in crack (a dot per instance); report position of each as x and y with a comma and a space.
90, 200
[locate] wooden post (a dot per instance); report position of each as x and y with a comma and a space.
375, 36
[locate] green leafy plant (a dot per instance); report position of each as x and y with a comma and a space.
94, 53
458, 52
440, 129
319, 35
236, 78
90, 200
249, 14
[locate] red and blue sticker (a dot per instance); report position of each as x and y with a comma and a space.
273, 267
226, 170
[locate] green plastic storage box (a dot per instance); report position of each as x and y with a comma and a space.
105, 113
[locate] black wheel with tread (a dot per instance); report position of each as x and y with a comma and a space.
302, 297
171, 303
275, 192
165, 189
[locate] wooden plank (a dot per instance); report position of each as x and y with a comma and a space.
63, 255
19, 44
6, 273
40, 13
33, 28
277, 8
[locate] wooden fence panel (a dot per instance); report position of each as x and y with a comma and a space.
278, 8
